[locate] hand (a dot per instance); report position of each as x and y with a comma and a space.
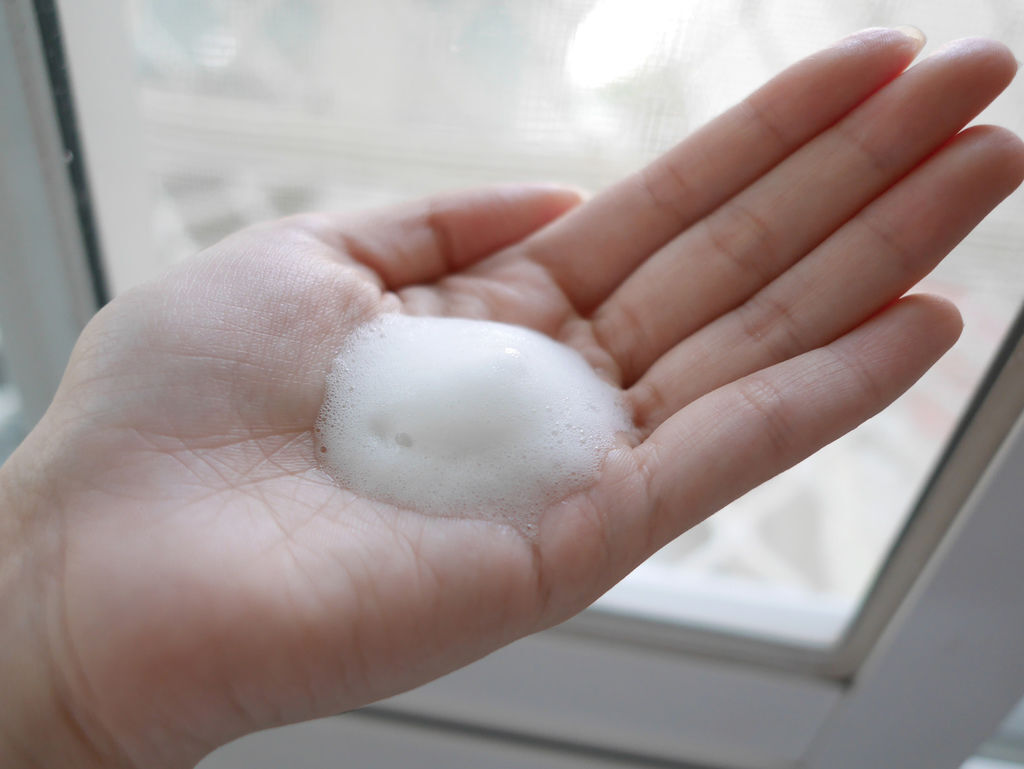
182, 572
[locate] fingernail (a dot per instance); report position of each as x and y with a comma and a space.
581, 192
913, 33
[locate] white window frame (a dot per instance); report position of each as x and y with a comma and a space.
47, 293
600, 682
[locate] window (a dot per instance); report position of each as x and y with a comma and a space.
232, 112
196, 118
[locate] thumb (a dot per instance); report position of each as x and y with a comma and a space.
424, 240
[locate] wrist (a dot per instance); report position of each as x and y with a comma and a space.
42, 726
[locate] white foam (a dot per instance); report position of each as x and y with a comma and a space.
458, 417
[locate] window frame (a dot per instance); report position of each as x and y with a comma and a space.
50, 289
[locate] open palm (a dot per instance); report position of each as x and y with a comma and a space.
743, 290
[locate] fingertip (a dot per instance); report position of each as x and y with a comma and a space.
545, 201
940, 318
999, 147
916, 36
906, 37
1015, 153
562, 188
565, 194
1012, 148
993, 56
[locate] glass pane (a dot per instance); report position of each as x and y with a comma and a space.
1005, 750
12, 426
256, 110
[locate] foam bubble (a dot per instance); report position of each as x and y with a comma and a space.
456, 417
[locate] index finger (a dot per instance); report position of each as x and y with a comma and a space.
591, 250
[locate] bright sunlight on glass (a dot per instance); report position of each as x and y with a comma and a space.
617, 39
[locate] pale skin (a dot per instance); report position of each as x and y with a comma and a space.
175, 568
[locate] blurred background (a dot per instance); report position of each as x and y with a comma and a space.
232, 112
